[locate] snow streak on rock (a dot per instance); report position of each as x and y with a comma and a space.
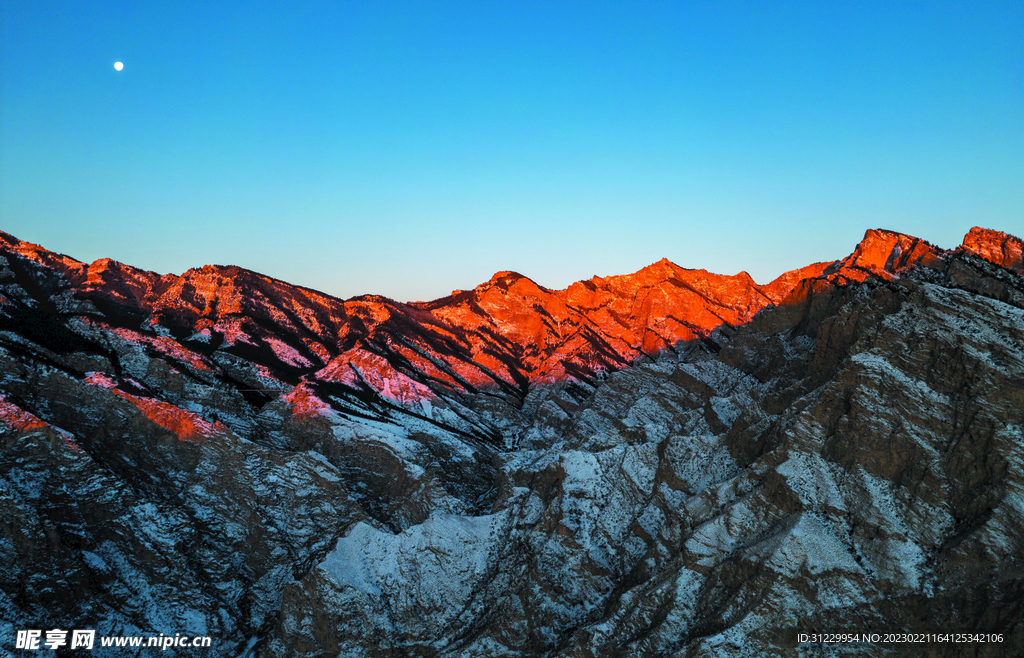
669, 463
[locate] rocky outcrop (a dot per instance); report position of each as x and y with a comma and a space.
669, 463
852, 463
996, 247
883, 254
499, 337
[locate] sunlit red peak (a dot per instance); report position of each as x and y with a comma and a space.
504, 280
880, 246
883, 253
39, 254
660, 271
995, 246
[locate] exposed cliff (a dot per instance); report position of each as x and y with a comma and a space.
668, 463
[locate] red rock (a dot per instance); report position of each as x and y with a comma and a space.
997, 247
883, 253
504, 334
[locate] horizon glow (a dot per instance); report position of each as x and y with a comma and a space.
409, 149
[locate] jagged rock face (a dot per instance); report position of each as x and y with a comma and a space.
717, 505
502, 335
669, 463
996, 247
883, 254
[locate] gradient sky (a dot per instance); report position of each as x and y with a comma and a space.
410, 148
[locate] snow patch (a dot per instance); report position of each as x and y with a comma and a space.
287, 353
436, 564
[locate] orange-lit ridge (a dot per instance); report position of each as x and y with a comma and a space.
501, 337
186, 425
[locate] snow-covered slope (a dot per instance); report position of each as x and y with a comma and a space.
667, 463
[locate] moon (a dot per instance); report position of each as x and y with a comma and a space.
118, 66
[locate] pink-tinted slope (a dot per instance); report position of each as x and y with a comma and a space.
501, 336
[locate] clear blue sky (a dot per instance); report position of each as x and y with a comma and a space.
410, 148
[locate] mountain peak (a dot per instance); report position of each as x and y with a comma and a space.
995, 246
497, 276
402, 473
882, 253
504, 280
39, 254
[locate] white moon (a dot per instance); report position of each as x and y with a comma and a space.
118, 66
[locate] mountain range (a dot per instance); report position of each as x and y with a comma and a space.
666, 463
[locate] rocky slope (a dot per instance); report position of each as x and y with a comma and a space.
501, 336
668, 463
